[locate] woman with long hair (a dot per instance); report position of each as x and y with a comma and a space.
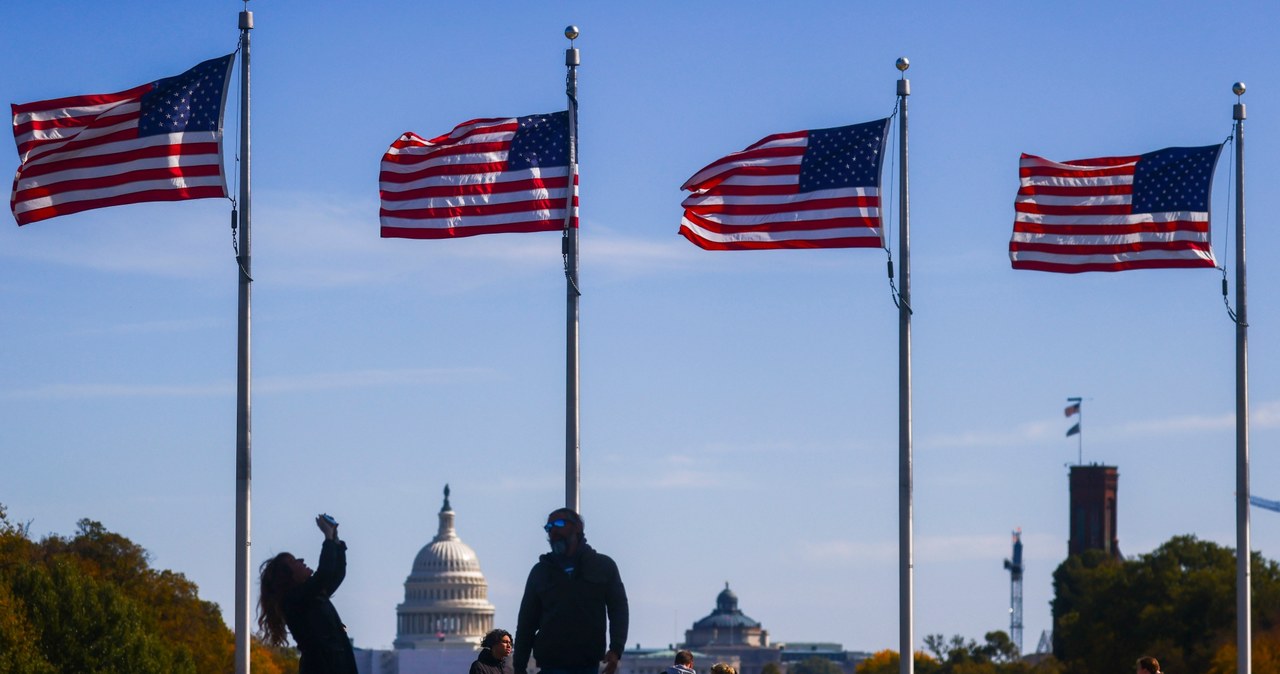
292, 595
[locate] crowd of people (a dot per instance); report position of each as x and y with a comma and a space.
573, 615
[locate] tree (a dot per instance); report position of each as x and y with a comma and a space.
84, 625
886, 662
92, 603
1177, 602
815, 665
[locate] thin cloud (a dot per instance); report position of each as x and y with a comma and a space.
157, 327
324, 381
1019, 435
933, 548
1262, 416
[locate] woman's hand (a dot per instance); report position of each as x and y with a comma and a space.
328, 526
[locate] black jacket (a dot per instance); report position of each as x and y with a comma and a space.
487, 664
322, 640
562, 616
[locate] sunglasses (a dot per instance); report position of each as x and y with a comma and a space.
556, 524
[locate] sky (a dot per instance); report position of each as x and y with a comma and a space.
739, 410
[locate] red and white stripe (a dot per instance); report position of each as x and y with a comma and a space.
458, 185
1079, 217
751, 200
83, 152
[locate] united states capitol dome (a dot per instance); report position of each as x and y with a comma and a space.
446, 598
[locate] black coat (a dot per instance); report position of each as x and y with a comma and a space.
487, 664
562, 616
322, 640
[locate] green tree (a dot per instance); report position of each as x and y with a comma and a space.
92, 603
815, 665
996, 655
886, 662
85, 625
1177, 602
771, 668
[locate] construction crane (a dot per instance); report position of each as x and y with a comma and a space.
1015, 590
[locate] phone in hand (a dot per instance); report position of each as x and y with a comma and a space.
329, 518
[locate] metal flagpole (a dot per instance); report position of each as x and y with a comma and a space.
1244, 622
244, 470
569, 247
906, 560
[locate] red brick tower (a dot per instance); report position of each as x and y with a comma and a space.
1093, 510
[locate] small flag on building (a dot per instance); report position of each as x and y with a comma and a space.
161, 141
1073, 408
1114, 213
487, 176
808, 189
1074, 430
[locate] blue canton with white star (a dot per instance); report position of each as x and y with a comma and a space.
541, 141
1174, 179
846, 156
191, 101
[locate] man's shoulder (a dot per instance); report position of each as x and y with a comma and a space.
598, 564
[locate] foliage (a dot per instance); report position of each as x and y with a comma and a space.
771, 668
1176, 603
814, 665
92, 603
886, 662
997, 654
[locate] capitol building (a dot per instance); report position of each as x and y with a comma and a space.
445, 612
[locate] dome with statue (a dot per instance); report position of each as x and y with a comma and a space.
446, 598
726, 626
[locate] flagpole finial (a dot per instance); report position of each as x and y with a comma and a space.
902, 63
571, 32
1238, 88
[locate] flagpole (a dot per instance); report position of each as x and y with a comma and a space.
1244, 619
906, 661
244, 470
569, 244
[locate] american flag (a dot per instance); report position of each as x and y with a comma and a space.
1115, 213
487, 176
808, 189
161, 141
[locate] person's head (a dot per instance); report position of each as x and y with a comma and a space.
723, 668
498, 643
277, 576
684, 659
1148, 665
565, 531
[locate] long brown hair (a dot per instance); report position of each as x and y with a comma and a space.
275, 578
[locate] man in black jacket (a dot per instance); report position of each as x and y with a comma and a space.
571, 593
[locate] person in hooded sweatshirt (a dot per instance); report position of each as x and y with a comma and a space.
495, 647
572, 595
684, 663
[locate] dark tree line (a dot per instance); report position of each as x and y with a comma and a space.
1177, 603
92, 603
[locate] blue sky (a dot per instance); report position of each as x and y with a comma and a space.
739, 414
